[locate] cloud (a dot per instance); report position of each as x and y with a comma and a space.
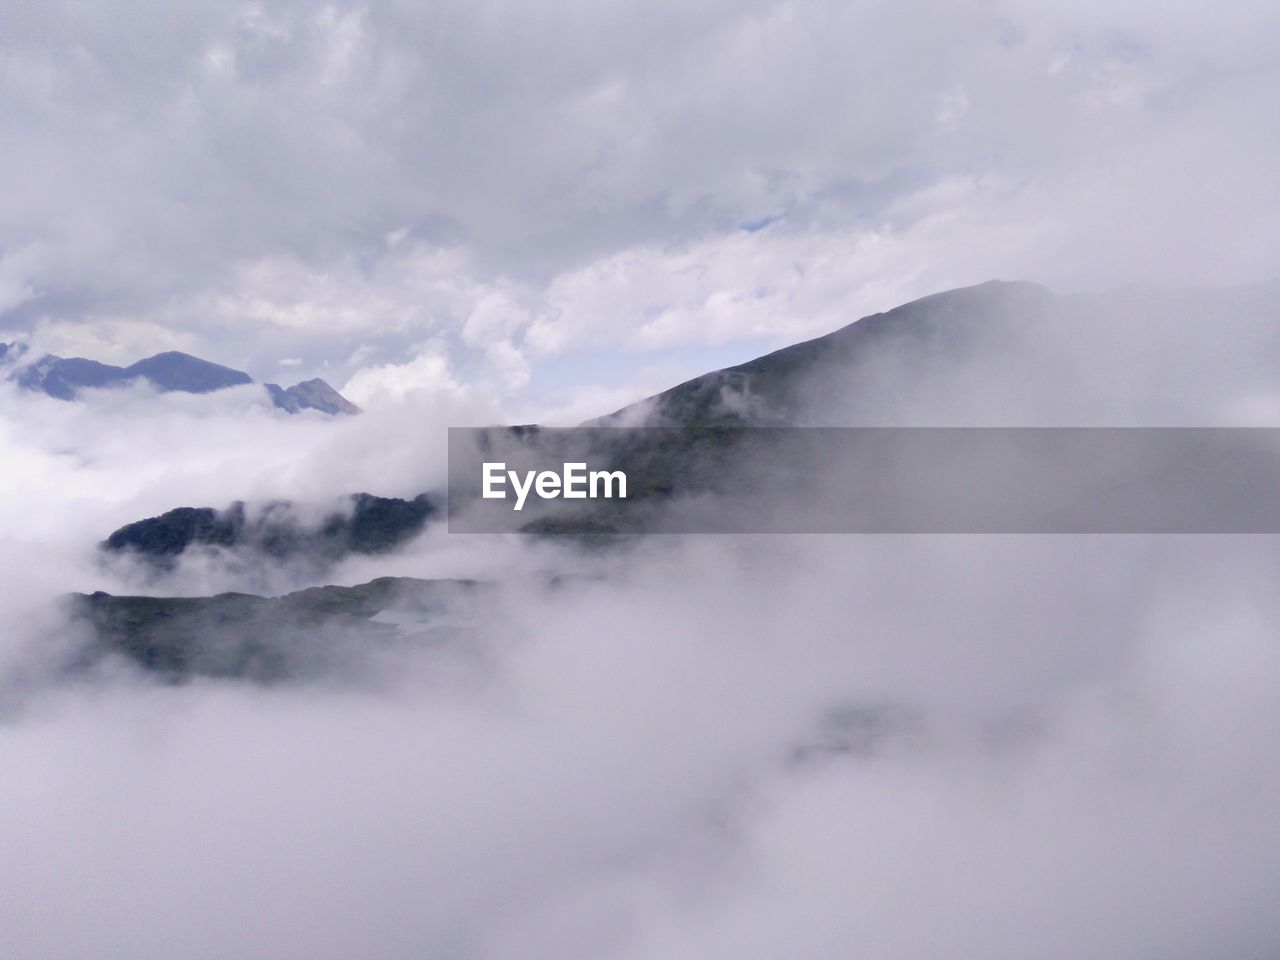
691, 747
449, 204
299, 181
423, 378
582, 784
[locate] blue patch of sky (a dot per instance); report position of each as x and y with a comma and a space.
753, 226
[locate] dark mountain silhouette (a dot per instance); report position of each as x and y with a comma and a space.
998, 354
309, 634
774, 389
371, 525
1002, 353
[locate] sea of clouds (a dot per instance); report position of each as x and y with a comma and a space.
690, 747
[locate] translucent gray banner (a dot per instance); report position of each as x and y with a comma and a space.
864, 480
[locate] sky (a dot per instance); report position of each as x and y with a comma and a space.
569, 205
689, 747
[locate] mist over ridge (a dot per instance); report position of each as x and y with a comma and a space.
262, 698
840, 718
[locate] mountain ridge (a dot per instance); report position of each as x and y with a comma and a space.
943, 318
368, 525
171, 371
995, 354
305, 634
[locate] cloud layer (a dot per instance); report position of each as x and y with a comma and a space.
460, 212
747, 746
353, 185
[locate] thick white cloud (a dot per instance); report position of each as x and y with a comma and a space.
301, 181
1067, 743
458, 209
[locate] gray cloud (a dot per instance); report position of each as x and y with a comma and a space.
444, 200
1071, 741
1082, 762
285, 181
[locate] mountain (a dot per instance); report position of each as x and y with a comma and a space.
337, 632
776, 388
310, 395
64, 377
1003, 353
185, 373
995, 354
368, 525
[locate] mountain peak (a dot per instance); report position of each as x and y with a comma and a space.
175, 370
314, 394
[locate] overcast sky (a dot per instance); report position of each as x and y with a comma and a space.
461, 211
574, 203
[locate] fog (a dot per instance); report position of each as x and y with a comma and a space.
472, 213
1086, 760
347, 187
685, 747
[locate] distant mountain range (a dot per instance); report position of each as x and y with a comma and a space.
64, 378
994, 354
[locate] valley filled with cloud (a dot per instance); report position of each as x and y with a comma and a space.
257, 699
